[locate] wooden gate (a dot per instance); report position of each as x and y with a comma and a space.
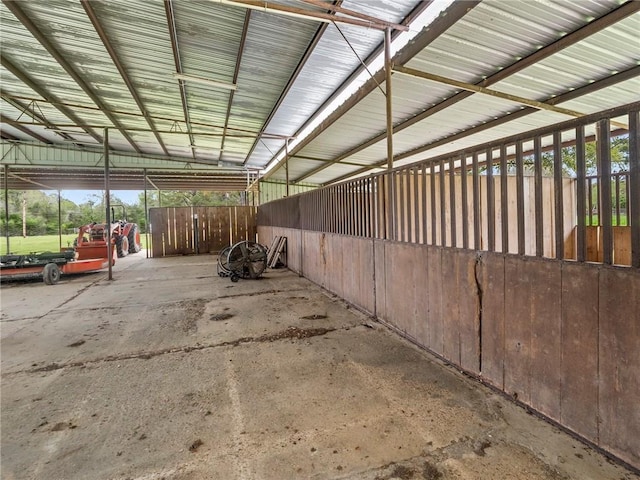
199, 230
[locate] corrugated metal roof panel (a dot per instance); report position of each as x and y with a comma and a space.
331, 64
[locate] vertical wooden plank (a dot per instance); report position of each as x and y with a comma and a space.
520, 198
546, 335
633, 181
450, 310
416, 204
350, 209
469, 311
617, 198
491, 203
517, 328
537, 158
421, 281
492, 290
367, 207
465, 201
400, 181
619, 304
452, 203
363, 206
558, 195
360, 203
432, 178
400, 286
442, 206
504, 199
579, 369
379, 247
423, 192
590, 199
158, 226
383, 207
407, 202
477, 234
436, 317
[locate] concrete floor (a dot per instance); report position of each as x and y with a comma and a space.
170, 372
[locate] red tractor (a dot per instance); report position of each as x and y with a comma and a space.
123, 235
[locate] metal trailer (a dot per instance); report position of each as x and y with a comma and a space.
50, 265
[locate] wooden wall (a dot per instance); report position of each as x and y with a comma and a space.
177, 230
560, 337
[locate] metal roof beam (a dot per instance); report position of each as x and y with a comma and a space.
18, 105
67, 112
173, 35
243, 39
352, 13
54, 155
595, 26
23, 129
7, 136
123, 73
249, 133
38, 184
13, 6
271, 7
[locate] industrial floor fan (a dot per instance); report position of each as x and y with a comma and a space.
243, 260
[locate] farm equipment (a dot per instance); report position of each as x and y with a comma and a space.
50, 265
243, 260
92, 238
89, 253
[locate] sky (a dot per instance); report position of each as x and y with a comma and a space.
82, 196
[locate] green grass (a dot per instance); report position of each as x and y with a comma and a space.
42, 243
614, 220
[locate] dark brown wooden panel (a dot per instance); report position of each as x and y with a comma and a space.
421, 282
517, 328
492, 325
450, 312
436, 322
619, 366
379, 248
468, 306
399, 285
546, 334
579, 369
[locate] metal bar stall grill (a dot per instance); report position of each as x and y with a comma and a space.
552, 213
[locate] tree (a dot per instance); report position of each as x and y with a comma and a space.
192, 199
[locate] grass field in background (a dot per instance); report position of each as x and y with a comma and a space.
42, 243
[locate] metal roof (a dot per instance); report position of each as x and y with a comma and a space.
72, 69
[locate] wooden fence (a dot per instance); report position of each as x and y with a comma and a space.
199, 230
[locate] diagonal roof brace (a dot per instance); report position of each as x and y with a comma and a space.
486, 91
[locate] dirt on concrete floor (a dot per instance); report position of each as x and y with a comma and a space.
171, 372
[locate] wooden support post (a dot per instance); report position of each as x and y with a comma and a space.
520, 197
537, 166
634, 187
603, 150
558, 195
581, 253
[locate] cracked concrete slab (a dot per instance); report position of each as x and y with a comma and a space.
171, 372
